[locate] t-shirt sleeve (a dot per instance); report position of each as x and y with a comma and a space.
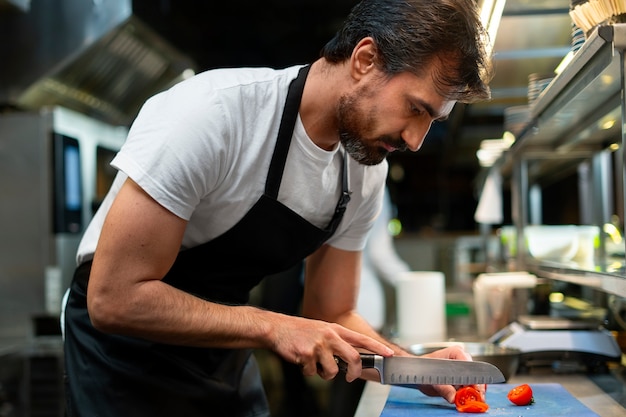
176, 148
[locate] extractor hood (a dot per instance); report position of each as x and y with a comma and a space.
91, 56
22, 5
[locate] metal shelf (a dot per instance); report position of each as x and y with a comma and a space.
569, 123
609, 278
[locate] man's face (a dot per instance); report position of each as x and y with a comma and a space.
355, 124
389, 115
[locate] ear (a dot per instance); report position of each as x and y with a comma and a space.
363, 59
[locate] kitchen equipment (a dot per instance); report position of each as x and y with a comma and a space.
405, 370
506, 359
560, 343
93, 57
550, 400
499, 298
52, 163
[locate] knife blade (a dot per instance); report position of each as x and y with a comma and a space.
404, 370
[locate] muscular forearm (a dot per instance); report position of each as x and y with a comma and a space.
156, 311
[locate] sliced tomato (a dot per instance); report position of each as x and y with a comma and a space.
521, 395
466, 394
469, 400
473, 407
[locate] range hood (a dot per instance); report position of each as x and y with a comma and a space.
91, 56
22, 5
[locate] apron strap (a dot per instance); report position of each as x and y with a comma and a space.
287, 123
342, 204
279, 157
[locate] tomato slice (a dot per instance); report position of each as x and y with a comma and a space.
469, 400
465, 394
521, 395
473, 407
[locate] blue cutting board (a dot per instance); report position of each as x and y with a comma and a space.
550, 400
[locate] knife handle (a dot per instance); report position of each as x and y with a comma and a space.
367, 361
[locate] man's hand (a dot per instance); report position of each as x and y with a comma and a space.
448, 391
313, 345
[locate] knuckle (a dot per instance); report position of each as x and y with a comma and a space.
328, 372
355, 357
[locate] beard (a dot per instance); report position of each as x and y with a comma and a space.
354, 124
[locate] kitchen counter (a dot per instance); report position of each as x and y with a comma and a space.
603, 394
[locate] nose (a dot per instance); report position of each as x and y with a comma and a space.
414, 134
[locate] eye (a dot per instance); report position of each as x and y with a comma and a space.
416, 109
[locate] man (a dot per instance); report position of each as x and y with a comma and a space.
237, 174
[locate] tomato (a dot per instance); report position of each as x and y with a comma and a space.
521, 395
466, 394
469, 400
473, 407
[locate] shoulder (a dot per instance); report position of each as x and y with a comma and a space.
232, 80
214, 108
220, 84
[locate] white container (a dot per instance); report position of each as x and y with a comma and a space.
421, 307
555, 243
588, 241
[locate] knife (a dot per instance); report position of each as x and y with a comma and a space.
404, 370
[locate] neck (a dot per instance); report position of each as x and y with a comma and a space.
321, 94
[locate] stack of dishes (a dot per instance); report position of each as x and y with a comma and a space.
536, 84
578, 38
574, 3
515, 119
578, 35
591, 13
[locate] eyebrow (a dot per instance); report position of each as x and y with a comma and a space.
429, 109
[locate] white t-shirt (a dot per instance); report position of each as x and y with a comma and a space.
202, 149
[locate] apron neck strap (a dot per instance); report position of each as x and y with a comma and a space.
285, 132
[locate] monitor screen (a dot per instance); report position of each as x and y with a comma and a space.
73, 194
67, 185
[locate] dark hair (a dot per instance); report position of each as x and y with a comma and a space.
410, 34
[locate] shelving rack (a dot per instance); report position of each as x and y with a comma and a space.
570, 123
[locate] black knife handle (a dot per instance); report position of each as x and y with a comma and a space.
367, 361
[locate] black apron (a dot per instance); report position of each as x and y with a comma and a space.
116, 376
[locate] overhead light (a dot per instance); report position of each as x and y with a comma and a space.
490, 15
607, 124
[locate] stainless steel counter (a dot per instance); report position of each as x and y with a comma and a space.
580, 386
